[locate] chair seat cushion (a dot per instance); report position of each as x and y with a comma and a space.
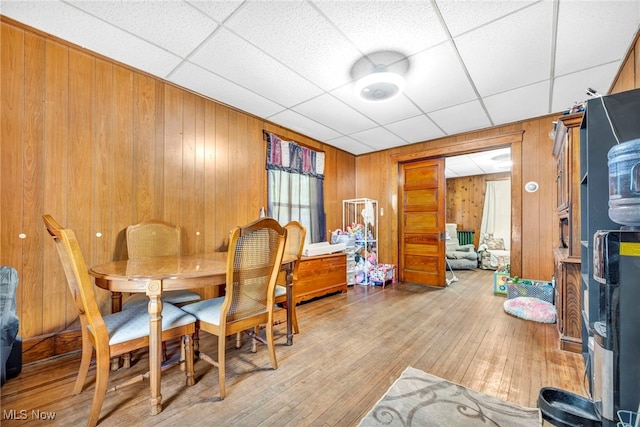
172, 297
462, 255
134, 323
207, 311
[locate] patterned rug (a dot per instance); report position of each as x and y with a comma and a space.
420, 399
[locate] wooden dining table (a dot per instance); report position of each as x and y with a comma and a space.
155, 275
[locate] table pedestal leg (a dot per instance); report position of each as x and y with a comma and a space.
290, 303
116, 306
154, 291
116, 302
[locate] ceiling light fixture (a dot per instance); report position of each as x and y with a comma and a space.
502, 162
381, 85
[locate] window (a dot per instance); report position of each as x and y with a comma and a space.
295, 177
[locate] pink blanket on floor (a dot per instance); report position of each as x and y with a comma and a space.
529, 308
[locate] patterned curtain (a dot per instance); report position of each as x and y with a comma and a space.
296, 186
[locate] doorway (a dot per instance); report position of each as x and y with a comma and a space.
478, 194
445, 148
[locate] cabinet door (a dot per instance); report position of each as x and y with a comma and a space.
571, 335
562, 178
558, 273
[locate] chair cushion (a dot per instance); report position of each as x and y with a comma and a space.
471, 255
494, 243
134, 323
172, 297
207, 310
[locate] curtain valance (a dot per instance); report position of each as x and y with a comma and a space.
293, 158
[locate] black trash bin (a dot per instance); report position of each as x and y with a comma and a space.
562, 408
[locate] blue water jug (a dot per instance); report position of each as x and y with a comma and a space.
624, 183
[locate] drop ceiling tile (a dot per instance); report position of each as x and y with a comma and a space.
219, 10
479, 163
335, 114
614, 22
449, 173
416, 129
488, 160
405, 26
570, 89
299, 50
220, 89
465, 169
350, 145
292, 120
436, 79
461, 118
233, 58
289, 30
511, 52
161, 23
463, 16
378, 138
75, 26
381, 112
460, 160
511, 106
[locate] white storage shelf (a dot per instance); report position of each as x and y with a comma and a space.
361, 214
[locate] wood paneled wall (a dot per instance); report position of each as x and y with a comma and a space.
100, 146
465, 201
535, 162
532, 213
629, 73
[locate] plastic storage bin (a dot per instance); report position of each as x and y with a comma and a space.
530, 288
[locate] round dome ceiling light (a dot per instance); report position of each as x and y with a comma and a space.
379, 86
502, 162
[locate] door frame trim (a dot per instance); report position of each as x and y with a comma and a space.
446, 149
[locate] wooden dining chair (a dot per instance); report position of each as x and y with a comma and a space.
254, 258
296, 234
152, 238
113, 334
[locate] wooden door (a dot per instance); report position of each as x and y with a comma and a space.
422, 248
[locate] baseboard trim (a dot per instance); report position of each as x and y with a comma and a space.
45, 346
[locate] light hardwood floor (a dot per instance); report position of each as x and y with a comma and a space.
350, 350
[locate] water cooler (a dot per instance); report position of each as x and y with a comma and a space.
616, 350
613, 326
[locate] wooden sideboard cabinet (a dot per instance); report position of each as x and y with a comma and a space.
566, 149
321, 275
568, 301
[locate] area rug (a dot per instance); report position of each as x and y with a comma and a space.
420, 399
530, 308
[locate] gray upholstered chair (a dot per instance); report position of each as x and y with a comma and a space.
459, 257
9, 320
